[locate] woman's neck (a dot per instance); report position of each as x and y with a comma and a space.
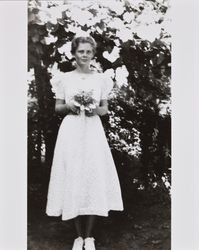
83, 70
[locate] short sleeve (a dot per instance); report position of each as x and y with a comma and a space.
57, 86
107, 86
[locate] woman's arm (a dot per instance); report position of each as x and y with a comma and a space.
102, 109
62, 108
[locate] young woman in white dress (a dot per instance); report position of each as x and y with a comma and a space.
83, 180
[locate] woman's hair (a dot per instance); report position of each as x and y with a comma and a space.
77, 40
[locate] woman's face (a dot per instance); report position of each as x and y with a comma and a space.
84, 54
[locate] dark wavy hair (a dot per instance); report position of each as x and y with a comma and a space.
77, 40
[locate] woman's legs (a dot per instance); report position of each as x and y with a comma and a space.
78, 226
89, 225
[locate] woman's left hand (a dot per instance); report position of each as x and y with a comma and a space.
91, 112
99, 110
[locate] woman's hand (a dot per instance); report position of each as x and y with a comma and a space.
92, 112
65, 108
74, 109
99, 110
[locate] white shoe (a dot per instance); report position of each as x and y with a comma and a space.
89, 244
78, 244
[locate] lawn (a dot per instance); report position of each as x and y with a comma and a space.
144, 225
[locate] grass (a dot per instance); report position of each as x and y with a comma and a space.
144, 225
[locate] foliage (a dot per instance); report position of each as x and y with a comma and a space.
134, 49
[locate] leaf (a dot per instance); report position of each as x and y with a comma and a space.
160, 57
50, 27
35, 38
137, 226
155, 242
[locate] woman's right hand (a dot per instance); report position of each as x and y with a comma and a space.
74, 109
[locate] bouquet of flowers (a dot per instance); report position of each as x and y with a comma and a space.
85, 101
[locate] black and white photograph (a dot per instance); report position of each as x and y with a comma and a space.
99, 125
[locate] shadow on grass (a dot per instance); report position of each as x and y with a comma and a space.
143, 225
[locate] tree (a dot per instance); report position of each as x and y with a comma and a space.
134, 49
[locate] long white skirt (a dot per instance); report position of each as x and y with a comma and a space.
83, 178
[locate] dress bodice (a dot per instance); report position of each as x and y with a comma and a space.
67, 85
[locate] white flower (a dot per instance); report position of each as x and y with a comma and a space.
147, 16
129, 17
113, 56
103, 14
53, 69
117, 42
78, 31
166, 24
148, 32
82, 16
50, 39
116, 23
165, 107
30, 76
43, 16
117, 6
163, 2
65, 49
125, 34
77, 3
121, 75
53, 14
135, 3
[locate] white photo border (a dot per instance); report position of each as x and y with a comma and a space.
185, 125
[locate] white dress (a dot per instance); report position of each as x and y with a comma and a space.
83, 178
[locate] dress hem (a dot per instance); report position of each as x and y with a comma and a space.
82, 212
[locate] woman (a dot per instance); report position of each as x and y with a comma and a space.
83, 177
